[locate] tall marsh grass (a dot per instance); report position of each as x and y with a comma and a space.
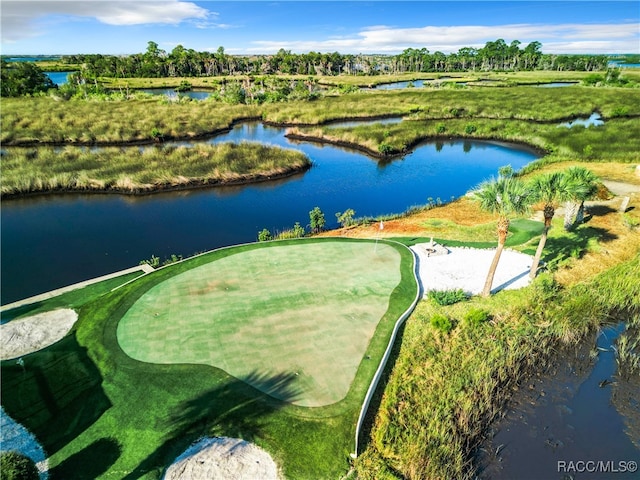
445, 390
134, 170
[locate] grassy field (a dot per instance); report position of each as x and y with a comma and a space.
37, 120
99, 413
144, 170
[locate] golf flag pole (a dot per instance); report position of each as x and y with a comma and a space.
381, 227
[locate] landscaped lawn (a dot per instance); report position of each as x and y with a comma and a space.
305, 321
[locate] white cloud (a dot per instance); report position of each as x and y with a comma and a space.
572, 38
23, 19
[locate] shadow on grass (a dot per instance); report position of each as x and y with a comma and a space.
92, 461
574, 244
9, 315
234, 409
55, 393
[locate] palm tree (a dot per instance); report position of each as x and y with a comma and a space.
549, 189
581, 185
505, 196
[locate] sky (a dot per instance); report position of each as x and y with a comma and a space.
49, 27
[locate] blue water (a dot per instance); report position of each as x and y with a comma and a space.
171, 93
557, 84
59, 78
52, 241
400, 85
594, 120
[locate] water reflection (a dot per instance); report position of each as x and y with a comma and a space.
52, 241
594, 120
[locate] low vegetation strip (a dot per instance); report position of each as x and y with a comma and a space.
144, 170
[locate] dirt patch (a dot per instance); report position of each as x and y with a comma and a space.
222, 457
30, 334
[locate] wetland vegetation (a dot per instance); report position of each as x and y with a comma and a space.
447, 384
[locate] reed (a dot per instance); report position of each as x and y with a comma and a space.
43, 119
135, 170
445, 389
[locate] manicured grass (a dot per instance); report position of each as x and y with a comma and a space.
145, 170
73, 299
116, 416
281, 311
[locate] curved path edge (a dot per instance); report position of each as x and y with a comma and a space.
392, 340
54, 293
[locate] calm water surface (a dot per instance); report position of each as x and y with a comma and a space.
52, 241
573, 419
59, 78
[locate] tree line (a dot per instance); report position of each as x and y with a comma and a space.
182, 62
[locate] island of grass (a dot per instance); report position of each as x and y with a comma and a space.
145, 170
276, 343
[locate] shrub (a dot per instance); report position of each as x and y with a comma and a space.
264, 235
385, 148
346, 218
441, 128
441, 322
476, 316
447, 297
153, 261
317, 221
15, 466
296, 232
470, 128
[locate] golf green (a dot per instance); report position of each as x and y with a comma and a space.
305, 312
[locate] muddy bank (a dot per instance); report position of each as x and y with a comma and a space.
575, 420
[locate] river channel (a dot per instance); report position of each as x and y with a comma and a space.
55, 240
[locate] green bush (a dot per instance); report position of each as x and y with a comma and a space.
15, 466
476, 316
264, 235
441, 322
470, 128
385, 148
346, 218
441, 128
317, 221
447, 297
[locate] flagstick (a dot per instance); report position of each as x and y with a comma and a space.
375, 250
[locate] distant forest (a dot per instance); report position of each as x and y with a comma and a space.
183, 62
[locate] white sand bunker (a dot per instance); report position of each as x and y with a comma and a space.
467, 268
30, 334
222, 457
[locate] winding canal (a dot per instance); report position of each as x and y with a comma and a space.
55, 240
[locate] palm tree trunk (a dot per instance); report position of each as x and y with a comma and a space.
536, 259
549, 211
486, 291
503, 230
571, 212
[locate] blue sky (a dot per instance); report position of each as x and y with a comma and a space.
241, 27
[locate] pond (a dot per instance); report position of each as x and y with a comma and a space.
594, 120
400, 85
569, 415
171, 93
557, 84
59, 78
52, 241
